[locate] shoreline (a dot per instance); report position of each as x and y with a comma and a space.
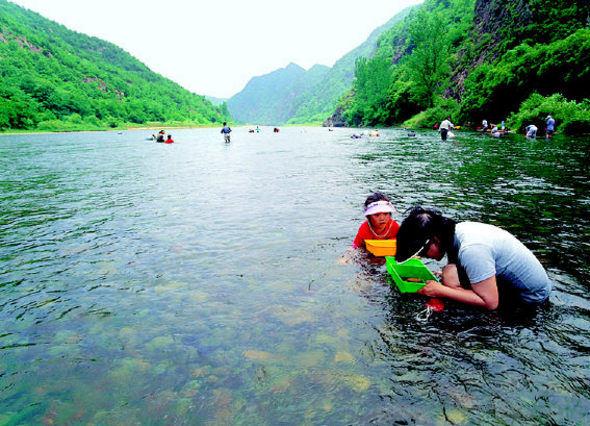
119, 129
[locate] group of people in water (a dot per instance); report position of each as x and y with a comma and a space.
445, 128
161, 137
226, 130
486, 265
531, 129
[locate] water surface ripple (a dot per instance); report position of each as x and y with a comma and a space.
144, 283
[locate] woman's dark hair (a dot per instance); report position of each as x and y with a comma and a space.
377, 196
419, 227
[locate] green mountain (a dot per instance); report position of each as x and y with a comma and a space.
216, 101
270, 99
517, 61
295, 96
319, 101
57, 79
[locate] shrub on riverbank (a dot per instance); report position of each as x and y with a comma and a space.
443, 108
572, 117
498, 89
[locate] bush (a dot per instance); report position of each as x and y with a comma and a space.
443, 108
571, 117
496, 90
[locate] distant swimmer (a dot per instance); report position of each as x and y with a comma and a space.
226, 130
169, 140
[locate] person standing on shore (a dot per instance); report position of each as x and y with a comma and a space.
226, 130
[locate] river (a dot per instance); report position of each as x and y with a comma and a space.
198, 282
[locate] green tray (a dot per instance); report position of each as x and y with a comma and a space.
413, 268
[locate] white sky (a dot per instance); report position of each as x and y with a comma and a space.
214, 47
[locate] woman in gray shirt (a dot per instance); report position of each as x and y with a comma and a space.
488, 259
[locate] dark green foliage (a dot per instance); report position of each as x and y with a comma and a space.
419, 52
57, 79
553, 20
373, 78
571, 116
559, 67
489, 55
429, 61
442, 109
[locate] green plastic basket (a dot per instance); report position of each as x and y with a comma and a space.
413, 268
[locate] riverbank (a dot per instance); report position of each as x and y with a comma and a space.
108, 129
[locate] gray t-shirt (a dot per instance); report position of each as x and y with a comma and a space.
483, 251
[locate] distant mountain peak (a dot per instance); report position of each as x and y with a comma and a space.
292, 92
293, 65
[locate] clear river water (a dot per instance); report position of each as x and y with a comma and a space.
198, 282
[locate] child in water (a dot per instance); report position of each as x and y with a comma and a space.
378, 226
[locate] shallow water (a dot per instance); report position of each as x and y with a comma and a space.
144, 283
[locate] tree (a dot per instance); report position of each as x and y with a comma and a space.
372, 80
429, 62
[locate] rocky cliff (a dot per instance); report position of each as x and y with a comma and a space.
501, 25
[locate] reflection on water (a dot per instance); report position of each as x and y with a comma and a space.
197, 282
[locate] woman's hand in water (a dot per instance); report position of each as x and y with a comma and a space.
431, 289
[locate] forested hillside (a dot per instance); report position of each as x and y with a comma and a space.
296, 96
270, 99
477, 59
318, 102
57, 79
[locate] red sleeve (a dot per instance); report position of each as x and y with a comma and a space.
364, 233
